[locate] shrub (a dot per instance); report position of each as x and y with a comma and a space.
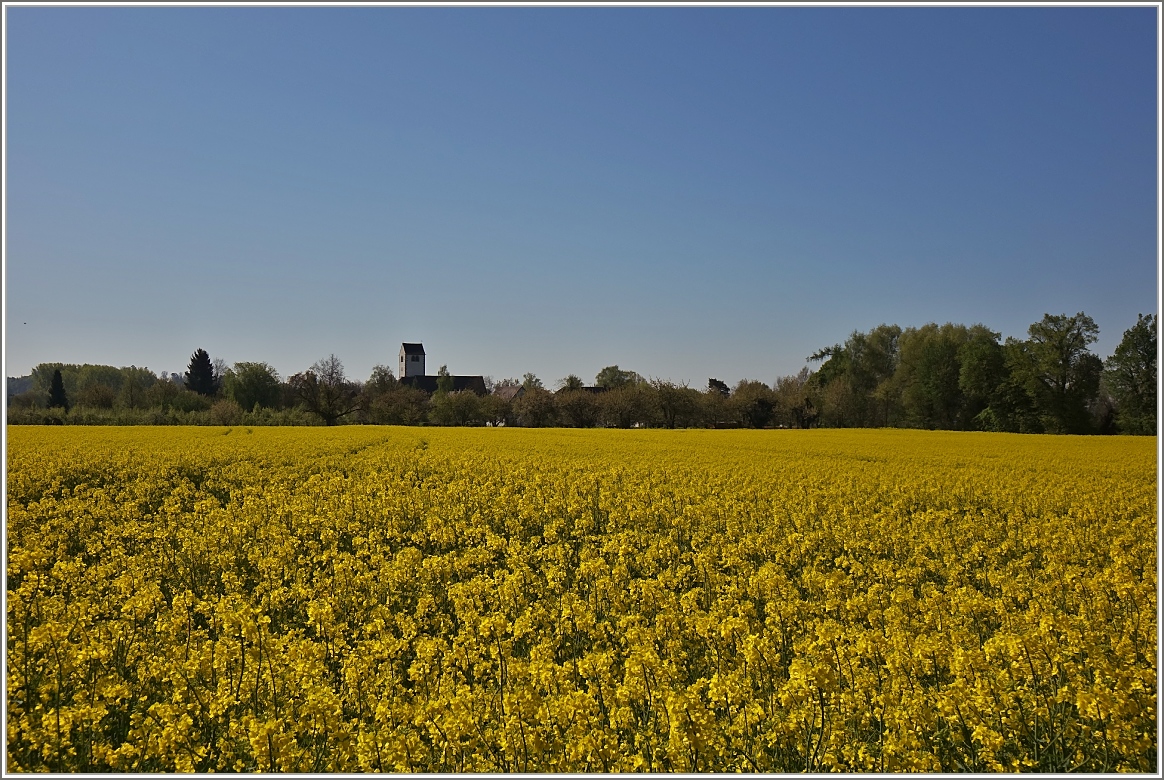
226, 412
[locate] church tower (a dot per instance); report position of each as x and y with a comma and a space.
411, 360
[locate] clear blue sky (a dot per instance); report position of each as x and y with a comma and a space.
686, 192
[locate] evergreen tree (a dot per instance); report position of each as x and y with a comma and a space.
57, 397
200, 375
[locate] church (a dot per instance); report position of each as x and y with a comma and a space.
411, 373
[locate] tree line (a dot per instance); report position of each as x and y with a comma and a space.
950, 376
955, 377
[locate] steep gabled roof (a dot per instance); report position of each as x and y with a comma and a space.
509, 392
412, 349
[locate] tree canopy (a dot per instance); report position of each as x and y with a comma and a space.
200, 375
612, 378
1131, 372
252, 386
325, 391
57, 397
1059, 371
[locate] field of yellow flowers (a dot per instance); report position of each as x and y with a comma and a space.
478, 600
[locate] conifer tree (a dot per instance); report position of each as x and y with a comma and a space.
57, 397
200, 375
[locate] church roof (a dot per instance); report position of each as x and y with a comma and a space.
412, 349
429, 383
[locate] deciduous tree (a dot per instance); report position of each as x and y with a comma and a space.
1058, 370
1131, 375
625, 406
97, 396
928, 373
462, 407
252, 386
577, 408
162, 394
793, 404
571, 382
855, 381
678, 405
402, 405
714, 405
496, 410
536, 408
752, 403
382, 380
325, 391
133, 390
444, 381
981, 371
612, 378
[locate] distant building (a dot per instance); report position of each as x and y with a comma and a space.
510, 392
412, 373
411, 360
429, 383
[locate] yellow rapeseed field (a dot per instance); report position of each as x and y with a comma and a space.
478, 600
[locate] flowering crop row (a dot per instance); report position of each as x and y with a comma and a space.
515, 600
